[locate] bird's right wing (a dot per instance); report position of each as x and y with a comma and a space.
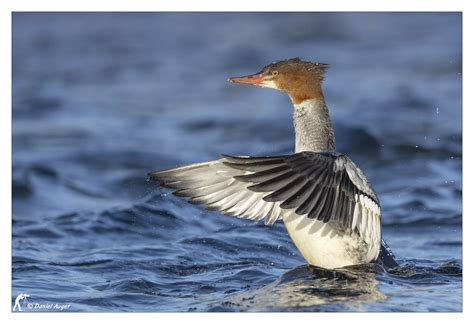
327, 187
216, 184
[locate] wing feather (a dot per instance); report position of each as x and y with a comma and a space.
327, 187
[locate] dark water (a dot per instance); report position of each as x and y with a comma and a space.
99, 100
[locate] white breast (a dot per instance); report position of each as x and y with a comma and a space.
323, 246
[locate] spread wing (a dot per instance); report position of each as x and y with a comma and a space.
323, 186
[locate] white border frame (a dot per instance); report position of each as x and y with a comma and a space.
9, 6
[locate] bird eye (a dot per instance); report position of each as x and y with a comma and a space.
274, 73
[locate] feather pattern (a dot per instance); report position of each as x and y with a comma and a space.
327, 187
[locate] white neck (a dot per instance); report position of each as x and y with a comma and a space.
313, 129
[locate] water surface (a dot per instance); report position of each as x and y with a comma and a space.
99, 100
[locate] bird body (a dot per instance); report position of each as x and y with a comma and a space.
329, 209
323, 246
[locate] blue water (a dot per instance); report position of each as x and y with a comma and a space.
99, 100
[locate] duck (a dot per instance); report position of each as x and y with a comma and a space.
326, 203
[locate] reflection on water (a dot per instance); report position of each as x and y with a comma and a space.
315, 289
307, 286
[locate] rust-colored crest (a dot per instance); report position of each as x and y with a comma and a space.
301, 80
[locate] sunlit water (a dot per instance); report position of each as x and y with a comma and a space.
100, 100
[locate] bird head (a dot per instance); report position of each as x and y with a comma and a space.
301, 80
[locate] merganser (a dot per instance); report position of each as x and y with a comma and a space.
328, 207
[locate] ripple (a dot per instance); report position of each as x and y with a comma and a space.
454, 220
88, 263
138, 285
413, 273
212, 243
40, 232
